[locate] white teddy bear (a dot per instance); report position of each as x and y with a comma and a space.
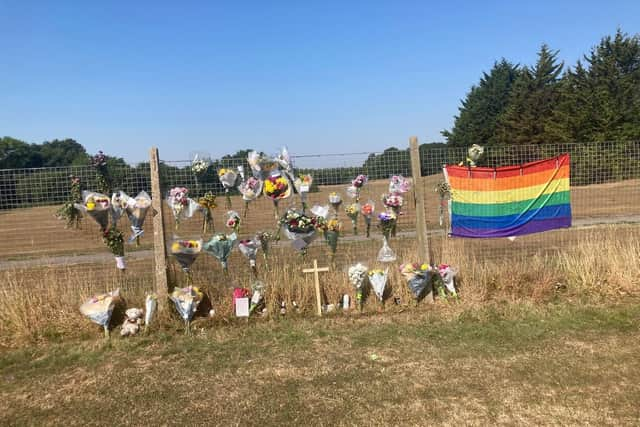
132, 322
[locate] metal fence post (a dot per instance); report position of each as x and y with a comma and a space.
421, 221
159, 248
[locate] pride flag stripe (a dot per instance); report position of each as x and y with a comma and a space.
507, 196
511, 208
510, 183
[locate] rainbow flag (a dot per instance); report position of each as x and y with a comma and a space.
509, 201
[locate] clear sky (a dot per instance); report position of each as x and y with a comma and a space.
319, 77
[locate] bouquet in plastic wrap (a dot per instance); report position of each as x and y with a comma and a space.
257, 295
249, 248
118, 206
114, 239
303, 186
332, 229
180, 204
393, 202
264, 238
300, 229
357, 275
99, 308
233, 221
137, 209
276, 188
207, 204
418, 277
356, 187
448, 274
352, 211
68, 211
100, 164
150, 307
228, 178
186, 252
251, 188
399, 185
444, 192
186, 301
199, 166
387, 223
367, 211
335, 201
220, 247
97, 206
261, 164
378, 280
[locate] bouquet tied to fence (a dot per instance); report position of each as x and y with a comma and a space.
357, 275
264, 239
233, 221
300, 229
228, 178
367, 211
186, 301
332, 229
386, 225
303, 186
99, 308
354, 190
220, 247
199, 166
261, 164
249, 248
251, 188
399, 185
335, 201
97, 206
114, 239
180, 204
352, 211
207, 204
276, 188
186, 252
68, 211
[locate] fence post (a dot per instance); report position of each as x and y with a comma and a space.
421, 221
159, 248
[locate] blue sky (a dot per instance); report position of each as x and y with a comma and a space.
318, 77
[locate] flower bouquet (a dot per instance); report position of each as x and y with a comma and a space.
352, 211
387, 222
186, 301
137, 209
182, 206
233, 221
150, 307
257, 296
284, 160
393, 202
335, 201
356, 187
277, 187
207, 204
332, 229
228, 178
97, 206
68, 211
249, 248
300, 229
378, 280
250, 190
447, 274
367, 211
99, 163
261, 164
199, 166
417, 277
99, 308
264, 238
220, 247
114, 239
444, 192
399, 184
186, 252
303, 186
357, 274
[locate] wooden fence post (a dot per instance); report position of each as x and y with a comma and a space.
159, 248
421, 221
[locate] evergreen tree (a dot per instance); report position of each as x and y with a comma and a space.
478, 113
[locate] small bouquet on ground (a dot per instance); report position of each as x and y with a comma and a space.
99, 308
357, 274
186, 301
367, 212
97, 206
186, 252
356, 187
233, 221
335, 201
417, 276
257, 296
448, 274
332, 229
250, 190
69, 212
303, 186
228, 178
207, 204
277, 187
220, 247
249, 248
264, 239
352, 211
137, 209
114, 239
199, 166
182, 206
387, 222
150, 307
378, 280
300, 229
399, 185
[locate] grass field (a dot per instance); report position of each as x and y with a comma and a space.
502, 364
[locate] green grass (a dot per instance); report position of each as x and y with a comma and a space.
504, 364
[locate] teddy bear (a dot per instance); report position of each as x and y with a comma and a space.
132, 322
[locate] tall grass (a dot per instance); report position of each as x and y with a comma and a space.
42, 305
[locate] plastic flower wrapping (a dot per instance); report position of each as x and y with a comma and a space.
261, 164
233, 221
332, 229
200, 164
393, 201
150, 307
97, 206
417, 276
118, 206
352, 211
357, 275
137, 208
228, 178
335, 201
114, 239
251, 188
378, 280
447, 274
180, 204
264, 239
186, 301
299, 228
303, 187
186, 252
399, 184
257, 295
284, 160
207, 204
249, 248
387, 222
220, 247
367, 211
354, 190
99, 308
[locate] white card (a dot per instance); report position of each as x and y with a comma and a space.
304, 188
242, 307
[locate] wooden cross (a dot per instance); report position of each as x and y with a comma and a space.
315, 270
